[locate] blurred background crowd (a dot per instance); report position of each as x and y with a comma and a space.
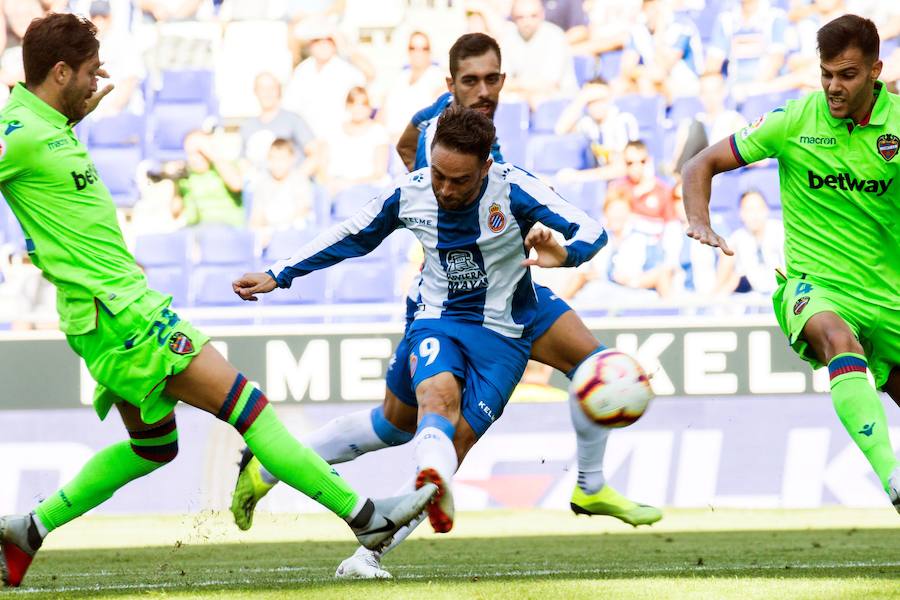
239, 129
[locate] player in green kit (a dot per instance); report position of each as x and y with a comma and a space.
839, 303
143, 356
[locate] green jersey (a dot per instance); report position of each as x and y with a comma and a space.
66, 212
840, 192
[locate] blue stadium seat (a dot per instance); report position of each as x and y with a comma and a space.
726, 193
121, 130
169, 123
211, 285
550, 153
648, 110
162, 249
585, 68
348, 202
610, 64
285, 243
188, 86
118, 168
754, 106
225, 246
765, 181
685, 107
586, 195
545, 116
173, 281
353, 281
512, 121
321, 205
309, 289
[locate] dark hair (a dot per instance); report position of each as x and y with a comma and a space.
465, 131
639, 144
54, 38
848, 31
469, 45
357, 92
282, 144
598, 80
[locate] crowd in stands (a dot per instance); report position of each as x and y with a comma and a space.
239, 129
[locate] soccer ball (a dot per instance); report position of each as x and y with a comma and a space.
611, 388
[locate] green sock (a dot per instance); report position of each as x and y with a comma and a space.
107, 471
247, 409
861, 412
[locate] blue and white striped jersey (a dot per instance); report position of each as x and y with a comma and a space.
473, 257
426, 122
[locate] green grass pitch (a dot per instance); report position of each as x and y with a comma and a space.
816, 554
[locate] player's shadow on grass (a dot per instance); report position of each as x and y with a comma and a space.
867, 553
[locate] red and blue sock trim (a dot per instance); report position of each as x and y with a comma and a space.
232, 399
846, 363
255, 405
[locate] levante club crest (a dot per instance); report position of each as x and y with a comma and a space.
181, 344
888, 144
496, 218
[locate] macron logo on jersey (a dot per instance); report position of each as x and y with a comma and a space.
813, 140
89, 177
847, 182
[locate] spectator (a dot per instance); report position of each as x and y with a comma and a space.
663, 54
715, 122
629, 268
758, 249
210, 190
751, 37
273, 122
358, 153
123, 63
320, 83
162, 11
18, 14
419, 83
650, 198
536, 55
593, 114
693, 265
282, 197
568, 15
609, 22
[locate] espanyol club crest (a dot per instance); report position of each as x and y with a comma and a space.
888, 144
413, 363
496, 218
800, 304
180, 343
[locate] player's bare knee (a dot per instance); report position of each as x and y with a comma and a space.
440, 394
839, 340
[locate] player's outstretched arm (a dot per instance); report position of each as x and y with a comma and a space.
250, 284
697, 180
550, 253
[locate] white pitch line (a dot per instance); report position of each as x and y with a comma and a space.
480, 573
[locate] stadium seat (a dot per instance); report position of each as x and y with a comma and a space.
321, 205
285, 243
309, 289
118, 168
370, 281
121, 130
586, 195
187, 86
348, 202
211, 285
512, 121
225, 246
755, 106
610, 64
648, 110
162, 249
545, 116
549, 153
173, 281
169, 123
685, 107
726, 193
585, 68
765, 181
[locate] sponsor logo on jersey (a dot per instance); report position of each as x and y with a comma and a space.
463, 273
11, 126
180, 343
57, 144
800, 304
89, 177
746, 131
418, 221
496, 218
813, 140
888, 144
847, 182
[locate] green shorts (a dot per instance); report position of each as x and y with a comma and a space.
131, 354
876, 327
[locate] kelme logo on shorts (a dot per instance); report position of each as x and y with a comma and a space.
888, 144
89, 177
800, 304
180, 343
847, 182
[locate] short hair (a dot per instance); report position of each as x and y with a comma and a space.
639, 144
845, 32
357, 92
598, 80
282, 144
58, 37
466, 131
752, 192
469, 45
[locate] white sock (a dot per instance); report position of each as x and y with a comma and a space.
42, 529
591, 439
434, 448
340, 440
